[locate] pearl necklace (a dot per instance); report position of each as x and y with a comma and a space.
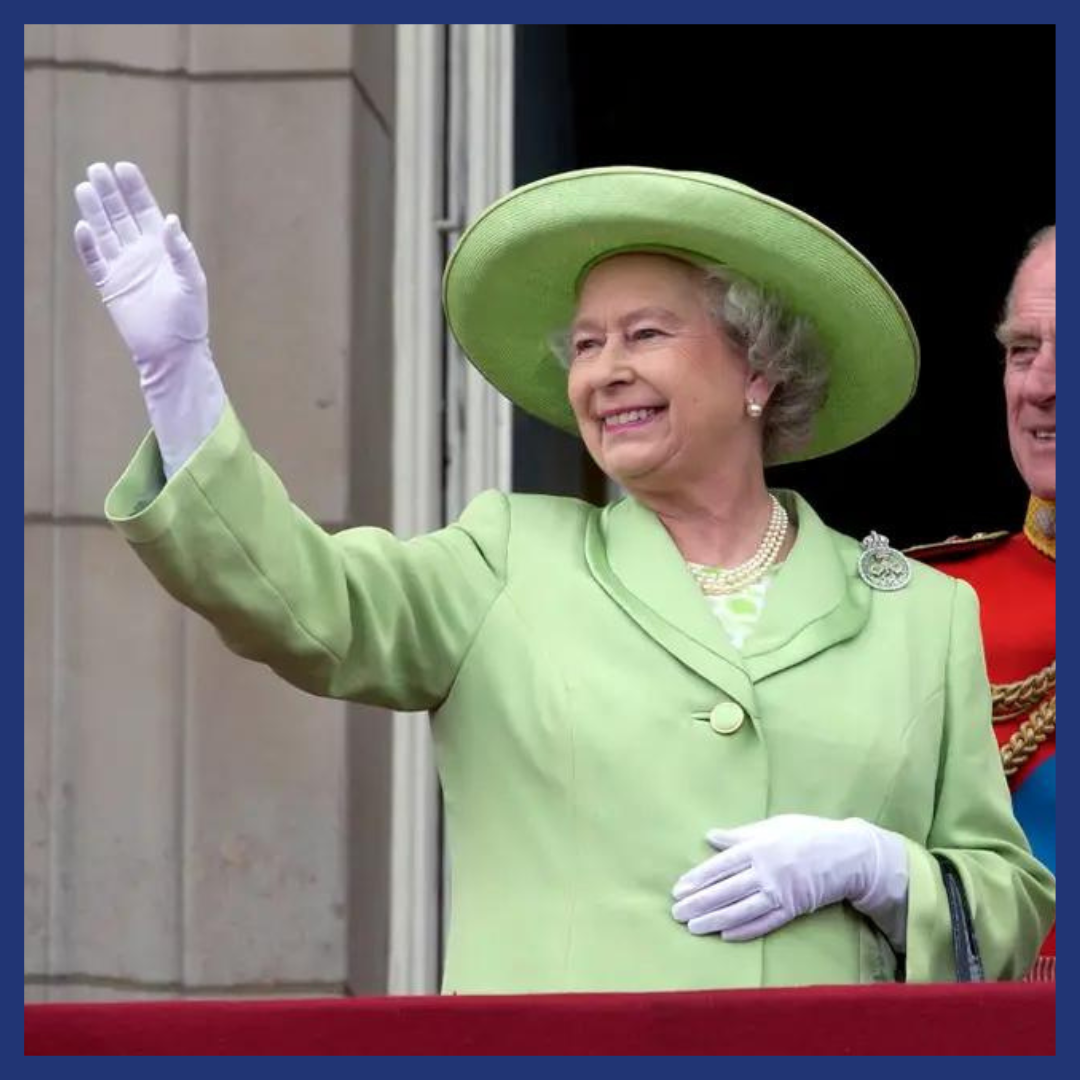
717, 581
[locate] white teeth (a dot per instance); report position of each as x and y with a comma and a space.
629, 417
1045, 436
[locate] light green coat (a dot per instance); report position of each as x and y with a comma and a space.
570, 664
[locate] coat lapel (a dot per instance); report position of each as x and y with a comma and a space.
636, 562
816, 600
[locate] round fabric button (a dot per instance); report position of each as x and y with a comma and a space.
726, 718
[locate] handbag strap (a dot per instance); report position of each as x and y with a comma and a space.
969, 967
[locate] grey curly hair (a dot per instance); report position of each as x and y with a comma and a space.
782, 346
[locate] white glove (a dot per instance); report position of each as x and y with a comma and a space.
150, 280
773, 871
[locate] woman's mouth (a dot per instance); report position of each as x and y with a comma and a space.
629, 419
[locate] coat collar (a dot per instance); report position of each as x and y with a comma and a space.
815, 601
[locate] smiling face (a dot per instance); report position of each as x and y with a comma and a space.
658, 390
1029, 337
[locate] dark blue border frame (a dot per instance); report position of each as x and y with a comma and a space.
1015, 154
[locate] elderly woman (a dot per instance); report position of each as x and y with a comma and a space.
692, 739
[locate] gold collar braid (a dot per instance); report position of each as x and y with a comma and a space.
1035, 695
1040, 526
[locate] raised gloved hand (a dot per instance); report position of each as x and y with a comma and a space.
150, 280
773, 871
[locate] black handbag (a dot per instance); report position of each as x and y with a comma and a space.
969, 966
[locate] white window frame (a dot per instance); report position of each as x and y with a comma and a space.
453, 156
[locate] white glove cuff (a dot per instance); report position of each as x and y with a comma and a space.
185, 399
886, 899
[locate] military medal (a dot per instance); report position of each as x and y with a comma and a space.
881, 566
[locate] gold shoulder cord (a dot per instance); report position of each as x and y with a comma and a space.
1037, 694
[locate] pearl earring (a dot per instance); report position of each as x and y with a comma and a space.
754, 409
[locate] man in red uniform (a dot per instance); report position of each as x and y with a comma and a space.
1014, 574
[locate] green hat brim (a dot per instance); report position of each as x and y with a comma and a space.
513, 277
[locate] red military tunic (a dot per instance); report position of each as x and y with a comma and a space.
1014, 576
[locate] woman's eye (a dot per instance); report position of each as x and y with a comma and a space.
585, 345
647, 333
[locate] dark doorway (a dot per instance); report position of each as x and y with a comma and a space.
930, 148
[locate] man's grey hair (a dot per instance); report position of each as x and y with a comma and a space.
1044, 236
1049, 232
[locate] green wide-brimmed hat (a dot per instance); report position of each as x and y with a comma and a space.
512, 281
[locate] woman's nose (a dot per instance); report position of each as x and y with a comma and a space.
611, 366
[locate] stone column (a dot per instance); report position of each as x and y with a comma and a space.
194, 826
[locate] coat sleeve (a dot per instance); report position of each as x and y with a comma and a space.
1010, 894
357, 614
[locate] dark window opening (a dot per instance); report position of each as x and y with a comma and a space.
915, 143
